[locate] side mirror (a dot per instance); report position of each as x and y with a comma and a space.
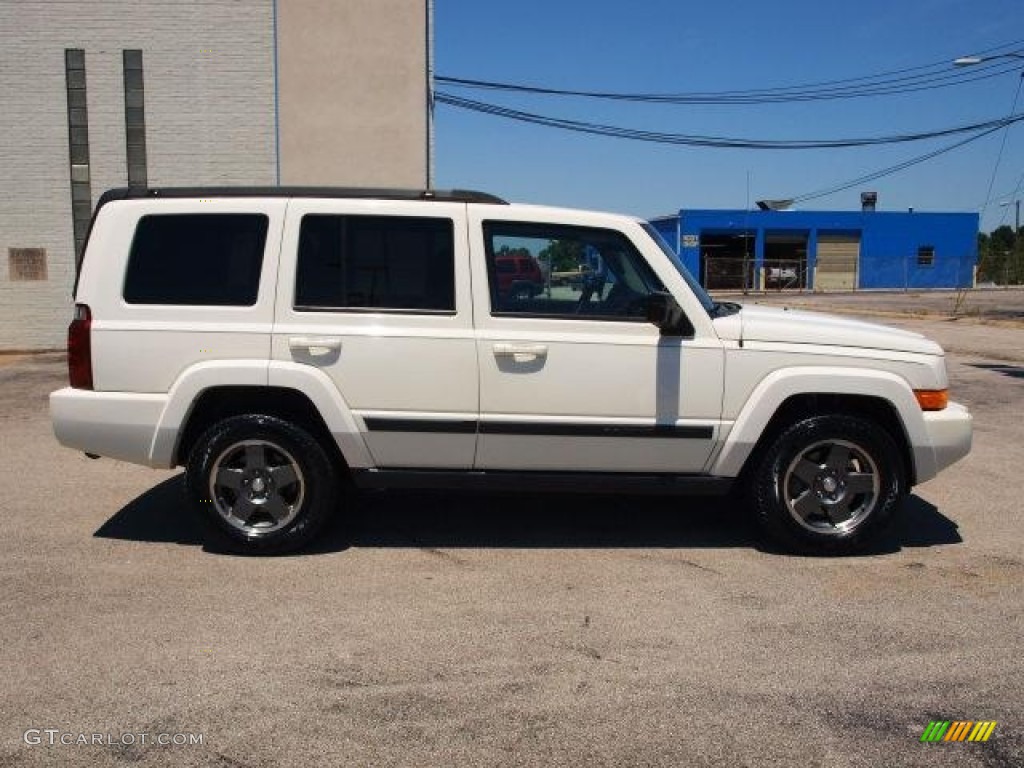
664, 311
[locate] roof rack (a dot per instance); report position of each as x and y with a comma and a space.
439, 195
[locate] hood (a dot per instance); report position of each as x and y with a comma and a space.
793, 326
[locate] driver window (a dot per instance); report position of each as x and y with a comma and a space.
551, 270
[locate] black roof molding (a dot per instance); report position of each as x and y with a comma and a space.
426, 195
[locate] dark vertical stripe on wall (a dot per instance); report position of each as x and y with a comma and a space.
78, 147
135, 119
430, 95
277, 101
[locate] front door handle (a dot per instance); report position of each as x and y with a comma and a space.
317, 346
521, 353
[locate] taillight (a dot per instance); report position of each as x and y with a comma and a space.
80, 348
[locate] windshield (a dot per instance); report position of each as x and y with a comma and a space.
698, 290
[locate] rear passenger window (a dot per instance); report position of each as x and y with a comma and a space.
196, 259
375, 262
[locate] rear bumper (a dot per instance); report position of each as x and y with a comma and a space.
949, 440
113, 424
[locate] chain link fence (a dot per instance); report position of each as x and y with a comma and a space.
837, 274
1001, 268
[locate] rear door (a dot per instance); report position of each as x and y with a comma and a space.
377, 295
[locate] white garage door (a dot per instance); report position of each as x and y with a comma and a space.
838, 263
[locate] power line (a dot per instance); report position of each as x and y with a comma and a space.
894, 82
1014, 196
890, 170
721, 142
996, 200
1002, 145
895, 87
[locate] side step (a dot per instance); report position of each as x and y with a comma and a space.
544, 482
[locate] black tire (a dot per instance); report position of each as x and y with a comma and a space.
828, 484
261, 485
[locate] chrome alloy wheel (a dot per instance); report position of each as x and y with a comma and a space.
257, 486
831, 487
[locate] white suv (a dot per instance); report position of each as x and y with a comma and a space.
277, 342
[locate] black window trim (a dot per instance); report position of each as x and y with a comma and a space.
588, 318
372, 310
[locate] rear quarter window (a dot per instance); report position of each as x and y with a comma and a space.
207, 259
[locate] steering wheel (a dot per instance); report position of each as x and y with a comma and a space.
584, 300
593, 283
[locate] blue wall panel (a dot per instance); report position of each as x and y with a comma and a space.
889, 241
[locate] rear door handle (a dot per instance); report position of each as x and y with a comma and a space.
521, 353
317, 346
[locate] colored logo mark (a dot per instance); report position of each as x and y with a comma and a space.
958, 730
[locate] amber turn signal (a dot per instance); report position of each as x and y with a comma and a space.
932, 399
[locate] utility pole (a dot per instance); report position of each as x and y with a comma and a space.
1016, 242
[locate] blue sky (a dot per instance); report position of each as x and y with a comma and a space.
689, 46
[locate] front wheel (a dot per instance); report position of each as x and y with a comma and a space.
827, 484
261, 484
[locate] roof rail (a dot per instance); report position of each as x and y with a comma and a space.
440, 195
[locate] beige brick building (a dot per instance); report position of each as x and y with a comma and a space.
97, 94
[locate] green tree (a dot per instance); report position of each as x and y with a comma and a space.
1001, 256
563, 255
506, 250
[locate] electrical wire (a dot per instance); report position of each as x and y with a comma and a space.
721, 142
1002, 145
891, 88
1014, 196
997, 200
892, 169
894, 82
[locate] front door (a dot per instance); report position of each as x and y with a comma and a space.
572, 376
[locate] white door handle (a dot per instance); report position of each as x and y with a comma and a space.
521, 353
316, 345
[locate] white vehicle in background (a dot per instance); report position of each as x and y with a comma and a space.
277, 341
782, 277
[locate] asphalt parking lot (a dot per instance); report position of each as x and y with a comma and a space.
526, 630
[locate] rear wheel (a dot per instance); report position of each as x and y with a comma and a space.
828, 484
261, 484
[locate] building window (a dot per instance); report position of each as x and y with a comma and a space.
134, 119
26, 264
211, 259
78, 147
926, 256
397, 263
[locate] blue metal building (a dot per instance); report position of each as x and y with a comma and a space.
825, 250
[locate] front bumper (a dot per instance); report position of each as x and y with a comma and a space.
949, 440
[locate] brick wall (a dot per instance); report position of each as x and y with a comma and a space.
209, 101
